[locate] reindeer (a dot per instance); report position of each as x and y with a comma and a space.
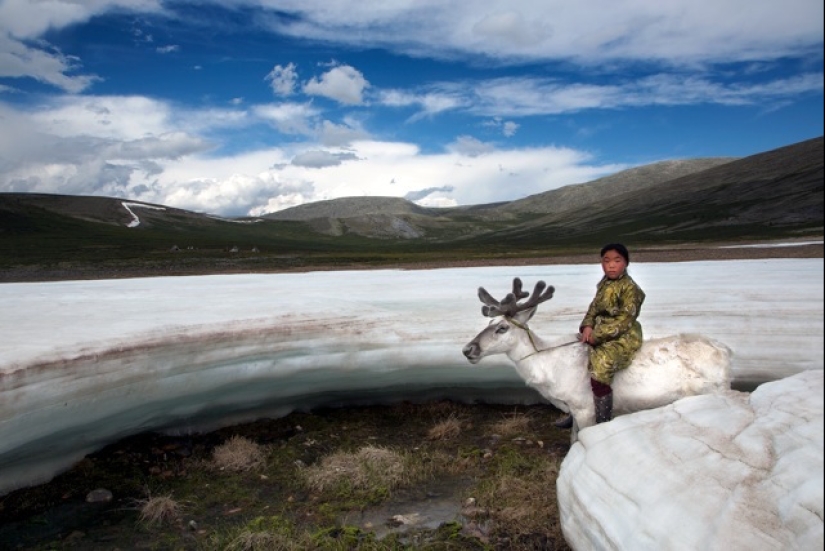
663, 371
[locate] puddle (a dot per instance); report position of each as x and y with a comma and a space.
427, 510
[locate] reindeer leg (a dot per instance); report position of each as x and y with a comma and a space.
565, 422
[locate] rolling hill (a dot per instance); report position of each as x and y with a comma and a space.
777, 194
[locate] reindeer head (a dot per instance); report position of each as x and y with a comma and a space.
497, 337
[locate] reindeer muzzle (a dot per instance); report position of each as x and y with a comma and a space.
472, 351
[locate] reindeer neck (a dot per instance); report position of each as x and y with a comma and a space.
528, 346
533, 346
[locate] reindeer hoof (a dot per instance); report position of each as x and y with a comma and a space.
564, 422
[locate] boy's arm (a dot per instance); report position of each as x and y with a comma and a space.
631, 298
590, 317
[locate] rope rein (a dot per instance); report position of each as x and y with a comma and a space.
533, 342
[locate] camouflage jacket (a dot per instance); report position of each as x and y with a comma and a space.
614, 310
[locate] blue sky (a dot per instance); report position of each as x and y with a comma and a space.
245, 107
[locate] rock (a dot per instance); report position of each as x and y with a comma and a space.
99, 495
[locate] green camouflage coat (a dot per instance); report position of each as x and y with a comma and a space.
616, 331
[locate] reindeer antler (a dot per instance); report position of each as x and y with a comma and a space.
509, 305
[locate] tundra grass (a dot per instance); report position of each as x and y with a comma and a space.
303, 482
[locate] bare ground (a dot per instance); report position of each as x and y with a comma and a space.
675, 253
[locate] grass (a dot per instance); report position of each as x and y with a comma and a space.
37, 243
325, 480
238, 454
446, 429
159, 510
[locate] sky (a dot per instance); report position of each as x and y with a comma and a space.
243, 107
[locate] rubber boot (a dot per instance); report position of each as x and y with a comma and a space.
604, 407
564, 422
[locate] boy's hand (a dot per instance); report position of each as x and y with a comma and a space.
586, 335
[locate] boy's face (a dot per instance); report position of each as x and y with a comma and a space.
613, 264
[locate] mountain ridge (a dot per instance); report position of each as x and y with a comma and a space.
773, 195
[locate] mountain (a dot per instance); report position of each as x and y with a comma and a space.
685, 199
781, 189
777, 194
376, 216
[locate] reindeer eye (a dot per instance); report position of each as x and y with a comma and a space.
502, 329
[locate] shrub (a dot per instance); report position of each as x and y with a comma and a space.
238, 454
159, 510
512, 425
445, 430
370, 468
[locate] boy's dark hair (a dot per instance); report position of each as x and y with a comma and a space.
619, 248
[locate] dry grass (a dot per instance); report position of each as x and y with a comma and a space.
159, 510
525, 503
512, 425
369, 467
353, 460
437, 409
238, 454
445, 430
261, 541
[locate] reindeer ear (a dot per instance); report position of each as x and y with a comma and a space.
525, 315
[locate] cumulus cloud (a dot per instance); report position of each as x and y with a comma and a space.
282, 79
469, 146
509, 128
321, 159
131, 147
289, 118
341, 135
344, 84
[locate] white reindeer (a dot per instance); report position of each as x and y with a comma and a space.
663, 371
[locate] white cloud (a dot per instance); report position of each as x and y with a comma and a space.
469, 146
19, 60
510, 29
289, 118
673, 32
321, 159
521, 97
23, 22
146, 150
429, 103
341, 135
282, 79
343, 84
28, 19
509, 128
